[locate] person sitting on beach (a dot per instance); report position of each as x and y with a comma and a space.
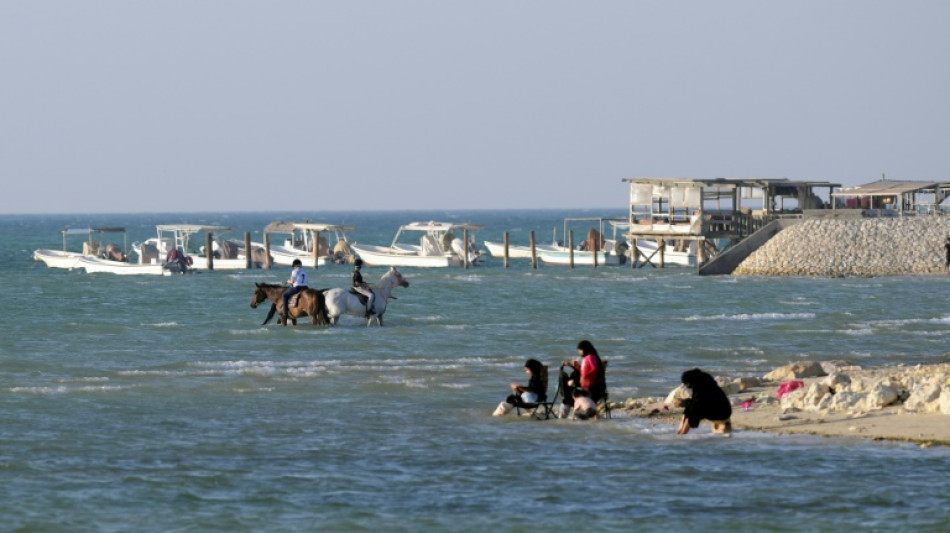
706, 402
584, 407
525, 395
592, 370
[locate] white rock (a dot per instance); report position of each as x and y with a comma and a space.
814, 394
806, 369
837, 382
923, 398
748, 383
844, 401
678, 392
944, 401
881, 396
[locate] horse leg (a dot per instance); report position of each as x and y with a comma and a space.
270, 314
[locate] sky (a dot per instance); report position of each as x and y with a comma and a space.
132, 106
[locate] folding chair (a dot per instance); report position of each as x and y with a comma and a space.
540, 410
606, 398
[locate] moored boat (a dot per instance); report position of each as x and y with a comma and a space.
440, 245
299, 243
181, 237
92, 247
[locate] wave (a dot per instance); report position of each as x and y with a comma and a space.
62, 389
752, 316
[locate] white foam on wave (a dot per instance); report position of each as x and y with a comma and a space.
428, 318
799, 301
62, 389
856, 332
161, 325
257, 331
455, 386
742, 317
89, 379
909, 321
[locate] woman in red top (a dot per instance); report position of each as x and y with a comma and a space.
592, 370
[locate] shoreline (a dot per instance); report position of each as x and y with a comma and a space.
901, 403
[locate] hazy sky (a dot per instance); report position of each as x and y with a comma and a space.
230, 105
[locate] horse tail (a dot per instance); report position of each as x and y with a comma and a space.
270, 314
322, 311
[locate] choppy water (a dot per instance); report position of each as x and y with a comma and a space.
157, 404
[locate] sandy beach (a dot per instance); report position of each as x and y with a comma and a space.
916, 399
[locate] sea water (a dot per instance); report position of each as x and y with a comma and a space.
163, 404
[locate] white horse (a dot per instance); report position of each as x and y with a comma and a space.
341, 301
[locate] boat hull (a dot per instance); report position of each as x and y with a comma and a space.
648, 248
95, 265
58, 258
581, 258
385, 256
497, 249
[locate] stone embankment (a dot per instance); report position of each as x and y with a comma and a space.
854, 248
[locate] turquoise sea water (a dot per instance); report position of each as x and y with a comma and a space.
162, 404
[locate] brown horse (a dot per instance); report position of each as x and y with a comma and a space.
309, 303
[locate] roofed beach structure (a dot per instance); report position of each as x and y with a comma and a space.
709, 215
893, 197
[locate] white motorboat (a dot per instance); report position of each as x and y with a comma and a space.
181, 237
91, 247
497, 249
299, 242
440, 245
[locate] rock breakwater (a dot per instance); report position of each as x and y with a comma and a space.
864, 247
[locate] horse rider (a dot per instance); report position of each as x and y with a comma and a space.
361, 287
298, 283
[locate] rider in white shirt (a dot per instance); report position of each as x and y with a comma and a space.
298, 283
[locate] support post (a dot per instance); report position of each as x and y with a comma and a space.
315, 239
267, 262
534, 252
465, 262
570, 248
209, 253
248, 251
506, 249
595, 246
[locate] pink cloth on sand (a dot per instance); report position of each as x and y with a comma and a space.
787, 387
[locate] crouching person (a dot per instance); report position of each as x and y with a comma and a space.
524, 395
706, 402
584, 406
